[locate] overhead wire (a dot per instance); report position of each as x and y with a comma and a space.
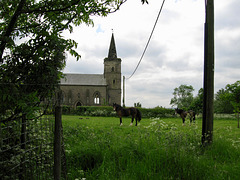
160, 10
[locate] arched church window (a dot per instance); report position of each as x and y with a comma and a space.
97, 98
112, 69
78, 104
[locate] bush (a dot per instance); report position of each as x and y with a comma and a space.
107, 111
156, 112
66, 109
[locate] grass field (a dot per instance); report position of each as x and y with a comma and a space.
98, 148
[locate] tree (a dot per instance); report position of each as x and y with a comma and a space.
32, 49
183, 96
197, 103
138, 104
221, 104
233, 95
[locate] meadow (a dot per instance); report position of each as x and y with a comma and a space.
160, 148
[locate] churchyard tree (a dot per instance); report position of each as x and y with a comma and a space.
33, 50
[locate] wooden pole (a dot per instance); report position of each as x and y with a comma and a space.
208, 85
123, 91
57, 138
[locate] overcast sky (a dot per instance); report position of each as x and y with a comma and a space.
175, 54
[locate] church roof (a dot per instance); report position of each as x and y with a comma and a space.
84, 79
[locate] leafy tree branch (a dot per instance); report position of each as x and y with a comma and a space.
33, 50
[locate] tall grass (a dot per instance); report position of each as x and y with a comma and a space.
98, 148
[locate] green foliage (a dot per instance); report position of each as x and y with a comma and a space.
197, 102
233, 95
156, 112
137, 104
107, 111
33, 50
228, 100
89, 110
32, 158
221, 103
183, 96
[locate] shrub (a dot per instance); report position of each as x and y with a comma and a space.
66, 109
107, 111
156, 112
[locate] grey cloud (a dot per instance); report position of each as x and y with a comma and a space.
228, 55
161, 71
229, 17
127, 49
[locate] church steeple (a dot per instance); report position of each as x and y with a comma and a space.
112, 74
112, 53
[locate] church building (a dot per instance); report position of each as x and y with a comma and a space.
94, 89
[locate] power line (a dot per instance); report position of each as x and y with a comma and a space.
148, 40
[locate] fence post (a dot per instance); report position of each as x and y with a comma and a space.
57, 138
23, 146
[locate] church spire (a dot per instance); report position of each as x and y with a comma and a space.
112, 53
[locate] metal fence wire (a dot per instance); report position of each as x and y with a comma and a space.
27, 149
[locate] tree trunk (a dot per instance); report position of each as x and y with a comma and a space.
10, 28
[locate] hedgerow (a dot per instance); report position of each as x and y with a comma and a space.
107, 111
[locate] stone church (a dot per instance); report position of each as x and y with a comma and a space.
94, 89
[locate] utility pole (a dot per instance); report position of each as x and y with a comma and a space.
123, 91
208, 84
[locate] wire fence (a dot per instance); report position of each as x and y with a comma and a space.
27, 148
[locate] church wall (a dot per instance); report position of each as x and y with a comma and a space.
112, 73
115, 96
84, 95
